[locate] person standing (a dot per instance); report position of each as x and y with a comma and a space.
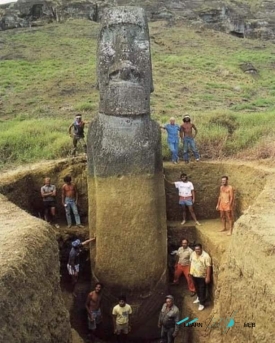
183, 266
186, 196
225, 205
173, 138
188, 138
69, 201
168, 318
48, 193
78, 133
92, 305
200, 269
122, 319
73, 261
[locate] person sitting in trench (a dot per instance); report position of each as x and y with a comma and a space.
225, 205
186, 196
73, 262
183, 266
92, 305
48, 193
122, 319
168, 318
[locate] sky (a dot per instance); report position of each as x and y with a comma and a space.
6, 1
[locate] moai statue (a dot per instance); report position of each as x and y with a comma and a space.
126, 193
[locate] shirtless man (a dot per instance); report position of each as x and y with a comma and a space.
225, 205
93, 307
69, 201
186, 134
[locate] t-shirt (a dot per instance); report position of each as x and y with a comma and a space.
48, 189
79, 128
184, 188
122, 313
184, 256
199, 264
172, 133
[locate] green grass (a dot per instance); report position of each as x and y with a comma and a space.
48, 75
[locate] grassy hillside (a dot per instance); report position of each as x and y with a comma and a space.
48, 75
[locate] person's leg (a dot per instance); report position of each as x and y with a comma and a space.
185, 150
177, 273
190, 283
230, 221
75, 212
172, 149
196, 284
163, 335
191, 210
84, 145
75, 140
194, 149
202, 290
223, 219
176, 151
46, 211
53, 214
68, 212
170, 338
183, 214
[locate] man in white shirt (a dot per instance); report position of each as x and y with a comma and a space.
186, 196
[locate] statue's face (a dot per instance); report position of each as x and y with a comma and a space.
124, 64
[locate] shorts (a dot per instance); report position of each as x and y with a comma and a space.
122, 328
96, 319
49, 204
186, 202
71, 271
225, 207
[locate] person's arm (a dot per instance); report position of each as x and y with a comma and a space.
63, 195
160, 319
195, 129
163, 127
70, 129
114, 320
54, 191
219, 200
171, 183
193, 196
71, 261
129, 321
87, 305
76, 194
208, 269
181, 132
44, 194
88, 241
231, 196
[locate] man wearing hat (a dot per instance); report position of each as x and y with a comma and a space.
188, 139
73, 262
168, 318
173, 138
78, 133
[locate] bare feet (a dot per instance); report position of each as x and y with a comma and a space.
229, 234
183, 222
222, 230
197, 223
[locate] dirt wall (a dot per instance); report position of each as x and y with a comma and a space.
31, 305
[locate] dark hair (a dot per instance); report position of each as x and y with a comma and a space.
185, 239
186, 118
99, 284
225, 177
182, 175
67, 178
198, 245
122, 297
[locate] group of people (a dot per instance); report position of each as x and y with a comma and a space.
69, 201
225, 202
185, 133
195, 265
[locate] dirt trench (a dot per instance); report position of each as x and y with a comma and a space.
249, 181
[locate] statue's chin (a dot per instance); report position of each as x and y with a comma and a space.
125, 98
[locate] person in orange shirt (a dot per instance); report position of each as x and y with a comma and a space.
225, 205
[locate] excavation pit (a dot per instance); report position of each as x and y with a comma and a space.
23, 189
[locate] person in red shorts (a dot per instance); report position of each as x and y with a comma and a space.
225, 205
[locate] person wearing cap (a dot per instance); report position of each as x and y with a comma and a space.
168, 318
188, 138
122, 319
73, 262
173, 138
186, 196
78, 133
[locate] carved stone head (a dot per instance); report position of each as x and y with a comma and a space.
124, 69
